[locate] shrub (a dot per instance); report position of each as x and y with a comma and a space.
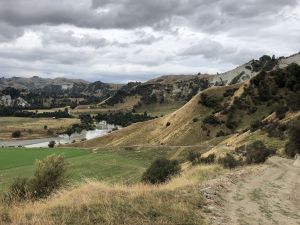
293, 146
16, 134
45, 127
51, 144
208, 101
229, 161
281, 111
212, 120
209, 159
17, 191
220, 134
168, 124
194, 157
195, 119
48, 176
257, 152
160, 171
255, 125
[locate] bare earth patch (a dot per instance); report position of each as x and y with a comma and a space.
265, 194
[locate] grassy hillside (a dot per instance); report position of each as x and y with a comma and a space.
217, 111
115, 165
182, 127
177, 202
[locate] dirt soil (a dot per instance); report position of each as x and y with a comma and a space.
265, 194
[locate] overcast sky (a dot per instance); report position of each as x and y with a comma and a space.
126, 40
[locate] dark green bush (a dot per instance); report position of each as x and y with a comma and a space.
229, 161
194, 157
209, 159
293, 146
161, 170
257, 152
51, 144
220, 133
208, 101
281, 111
16, 134
255, 125
212, 120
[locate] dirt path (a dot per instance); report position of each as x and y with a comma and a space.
269, 196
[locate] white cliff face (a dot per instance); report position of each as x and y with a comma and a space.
7, 101
245, 72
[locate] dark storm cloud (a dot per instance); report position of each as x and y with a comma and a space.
135, 13
132, 38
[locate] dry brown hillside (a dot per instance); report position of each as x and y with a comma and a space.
182, 127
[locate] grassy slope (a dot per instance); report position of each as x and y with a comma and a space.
177, 202
36, 125
182, 129
111, 165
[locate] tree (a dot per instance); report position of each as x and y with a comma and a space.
51, 144
194, 157
257, 152
229, 161
16, 134
161, 170
293, 146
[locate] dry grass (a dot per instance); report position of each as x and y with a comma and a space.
177, 202
182, 131
127, 105
32, 127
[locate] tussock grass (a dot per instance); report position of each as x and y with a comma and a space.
176, 202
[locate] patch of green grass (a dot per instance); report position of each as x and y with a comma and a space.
116, 166
17, 157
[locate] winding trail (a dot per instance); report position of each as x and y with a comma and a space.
270, 196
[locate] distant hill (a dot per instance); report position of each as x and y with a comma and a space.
40, 92
167, 90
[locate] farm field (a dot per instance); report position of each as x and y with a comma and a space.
33, 127
115, 166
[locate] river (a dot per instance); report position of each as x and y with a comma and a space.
101, 129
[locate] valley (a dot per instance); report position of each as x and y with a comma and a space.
185, 149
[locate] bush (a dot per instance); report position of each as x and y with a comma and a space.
160, 171
229, 161
16, 134
194, 157
17, 191
168, 124
257, 152
195, 119
51, 144
220, 134
281, 111
48, 176
212, 120
208, 101
209, 159
255, 125
293, 146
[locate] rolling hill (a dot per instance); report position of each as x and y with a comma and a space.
215, 112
